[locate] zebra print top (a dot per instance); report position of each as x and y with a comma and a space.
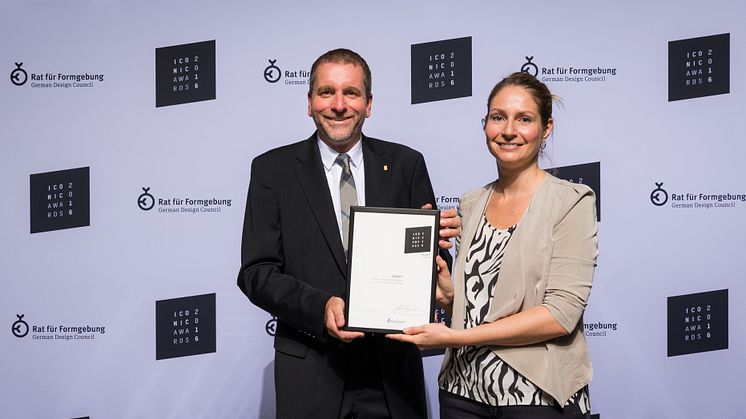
476, 372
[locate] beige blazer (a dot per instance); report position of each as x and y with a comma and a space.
550, 261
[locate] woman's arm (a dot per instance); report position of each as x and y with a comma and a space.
525, 328
568, 287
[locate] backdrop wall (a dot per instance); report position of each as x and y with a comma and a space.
128, 129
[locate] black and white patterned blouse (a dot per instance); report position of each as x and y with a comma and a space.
476, 372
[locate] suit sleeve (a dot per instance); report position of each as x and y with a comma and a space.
422, 193
262, 276
573, 260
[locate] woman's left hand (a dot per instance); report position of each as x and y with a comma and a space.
428, 336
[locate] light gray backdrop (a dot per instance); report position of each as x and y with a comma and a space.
111, 272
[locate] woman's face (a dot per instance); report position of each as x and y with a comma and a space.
513, 128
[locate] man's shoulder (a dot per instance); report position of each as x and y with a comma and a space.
379, 145
284, 152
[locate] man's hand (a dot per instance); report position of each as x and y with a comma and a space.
334, 320
450, 226
444, 288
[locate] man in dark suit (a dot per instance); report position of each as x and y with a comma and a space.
294, 259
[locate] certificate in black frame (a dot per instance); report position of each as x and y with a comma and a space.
391, 258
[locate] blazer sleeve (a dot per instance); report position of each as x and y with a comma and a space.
262, 276
573, 258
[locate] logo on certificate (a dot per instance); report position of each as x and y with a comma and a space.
418, 239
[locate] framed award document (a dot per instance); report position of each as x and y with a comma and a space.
391, 269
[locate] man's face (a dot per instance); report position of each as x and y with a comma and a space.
338, 104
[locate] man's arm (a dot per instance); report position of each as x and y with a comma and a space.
262, 276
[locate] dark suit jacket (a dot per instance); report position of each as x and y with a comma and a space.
292, 262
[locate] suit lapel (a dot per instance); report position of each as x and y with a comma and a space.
310, 173
377, 174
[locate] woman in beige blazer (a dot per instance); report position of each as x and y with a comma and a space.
522, 277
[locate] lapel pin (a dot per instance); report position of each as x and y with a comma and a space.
385, 167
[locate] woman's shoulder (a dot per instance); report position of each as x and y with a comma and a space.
475, 193
562, 188
561, 197
472, 197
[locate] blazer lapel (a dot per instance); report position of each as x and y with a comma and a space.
310, 173
377, 174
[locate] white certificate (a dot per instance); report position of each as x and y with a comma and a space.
391, 268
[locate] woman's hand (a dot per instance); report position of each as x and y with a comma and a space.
428, 336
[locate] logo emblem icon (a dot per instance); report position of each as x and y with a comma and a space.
271, 326
60, 199
185, 73
20, 327
272, 73
699, 67
417, 239
441, 70
145, 201
659, 196
19, 75
185, 326
529, 67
